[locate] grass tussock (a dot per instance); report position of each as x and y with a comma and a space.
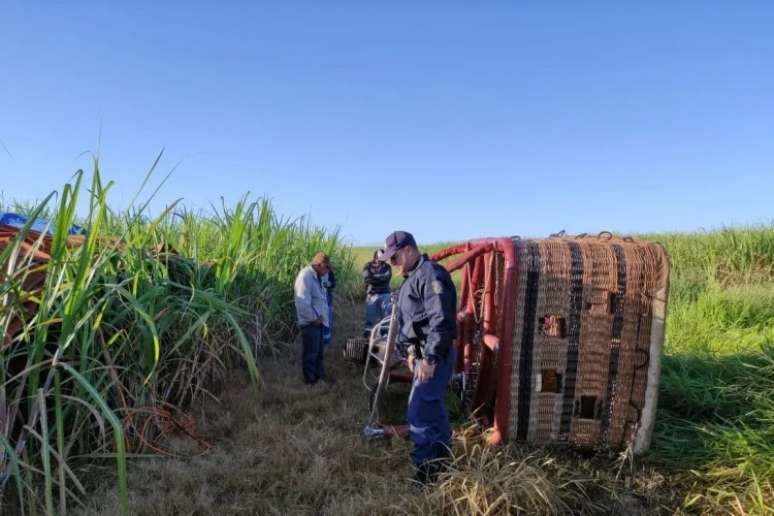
716, 405
485, 480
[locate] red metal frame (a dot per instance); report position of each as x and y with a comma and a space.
478, 271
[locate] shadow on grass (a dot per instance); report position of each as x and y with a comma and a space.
717, 412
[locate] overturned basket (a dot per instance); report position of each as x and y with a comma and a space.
559, 339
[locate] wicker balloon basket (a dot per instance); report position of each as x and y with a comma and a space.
560, 339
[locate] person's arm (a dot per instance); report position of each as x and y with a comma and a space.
439, 298
303, 298
367, 274
403, 340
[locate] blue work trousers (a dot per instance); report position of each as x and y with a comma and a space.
312, 359
427, 416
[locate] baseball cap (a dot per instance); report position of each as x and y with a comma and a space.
394, 242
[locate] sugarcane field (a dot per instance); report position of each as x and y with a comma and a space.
262, 258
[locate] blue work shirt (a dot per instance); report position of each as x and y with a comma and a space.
427, 304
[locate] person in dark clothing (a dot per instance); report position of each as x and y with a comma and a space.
376, 275
427, 304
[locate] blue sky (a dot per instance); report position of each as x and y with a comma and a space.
448, 119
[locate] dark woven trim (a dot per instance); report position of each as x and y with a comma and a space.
615, 341
528, 341
573, 338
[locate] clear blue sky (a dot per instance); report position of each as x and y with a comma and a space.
449, 119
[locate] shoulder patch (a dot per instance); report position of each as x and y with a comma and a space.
437, 287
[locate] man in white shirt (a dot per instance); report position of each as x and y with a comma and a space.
312, 316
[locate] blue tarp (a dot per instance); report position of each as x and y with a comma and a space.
18, 221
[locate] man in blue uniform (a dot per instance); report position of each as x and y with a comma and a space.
427, 303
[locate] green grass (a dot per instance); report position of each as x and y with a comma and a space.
716, 408
140, 321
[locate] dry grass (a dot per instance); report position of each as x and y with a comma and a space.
292, 449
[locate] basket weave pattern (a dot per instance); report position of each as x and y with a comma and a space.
582, 339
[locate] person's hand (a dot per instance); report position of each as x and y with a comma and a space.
410, 363
426, 371
318, 322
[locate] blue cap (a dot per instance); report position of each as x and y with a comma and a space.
394, 242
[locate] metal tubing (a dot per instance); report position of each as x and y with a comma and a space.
498, 337
488, 298
462, 318
508, 301
384, 375
450, 251
468, 256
